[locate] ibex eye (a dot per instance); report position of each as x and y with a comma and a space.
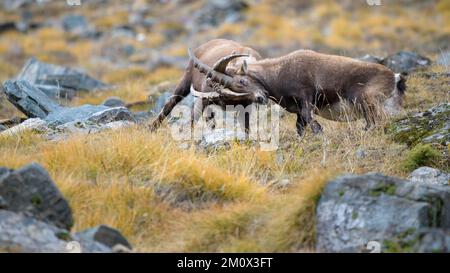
243, 82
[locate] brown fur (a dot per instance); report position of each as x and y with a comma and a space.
209, 53
305, 81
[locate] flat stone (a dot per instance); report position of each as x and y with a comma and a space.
427, 175
105, 235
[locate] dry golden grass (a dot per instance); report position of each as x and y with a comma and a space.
238, 202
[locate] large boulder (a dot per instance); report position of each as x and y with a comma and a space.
35, 104
406, 62
430, 126
431, 176
35, 217
357, 210
20, 233
58, 81
31, 191
29, 100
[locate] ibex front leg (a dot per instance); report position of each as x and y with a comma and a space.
181, 91
305, 117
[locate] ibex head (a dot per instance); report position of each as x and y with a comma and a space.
238, 81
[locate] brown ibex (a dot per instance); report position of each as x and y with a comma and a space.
334, 87
225, 63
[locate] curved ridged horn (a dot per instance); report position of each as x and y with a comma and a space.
221, 65
216, 76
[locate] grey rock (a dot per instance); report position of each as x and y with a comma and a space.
20, 233
14, 4
30, 191
113, 102
62, 131
28, 99
406, 62
360, 153
41, 73
105, 235
34, 103
427, 175
74, 22
94, 113
220, 138
56, 92
371, 59
430, 126
433, 241
357, 209
215, 12
78, 25
32, 124
143, 116
3, 128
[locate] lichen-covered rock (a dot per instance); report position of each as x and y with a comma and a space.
99, 114
31, 191
427, 175
34, 103
84, 127
357, 209
431, 126
425, 240
406, 62
20, 233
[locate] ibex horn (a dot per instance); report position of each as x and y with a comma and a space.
216, 76
221, 65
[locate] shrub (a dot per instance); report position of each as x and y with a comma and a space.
421, 155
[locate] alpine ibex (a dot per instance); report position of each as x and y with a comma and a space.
334, 87
221, 63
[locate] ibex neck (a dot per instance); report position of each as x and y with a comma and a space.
267, 73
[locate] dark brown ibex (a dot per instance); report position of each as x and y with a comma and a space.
218, 62
334, 87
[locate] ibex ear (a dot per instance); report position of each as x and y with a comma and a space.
243, 70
